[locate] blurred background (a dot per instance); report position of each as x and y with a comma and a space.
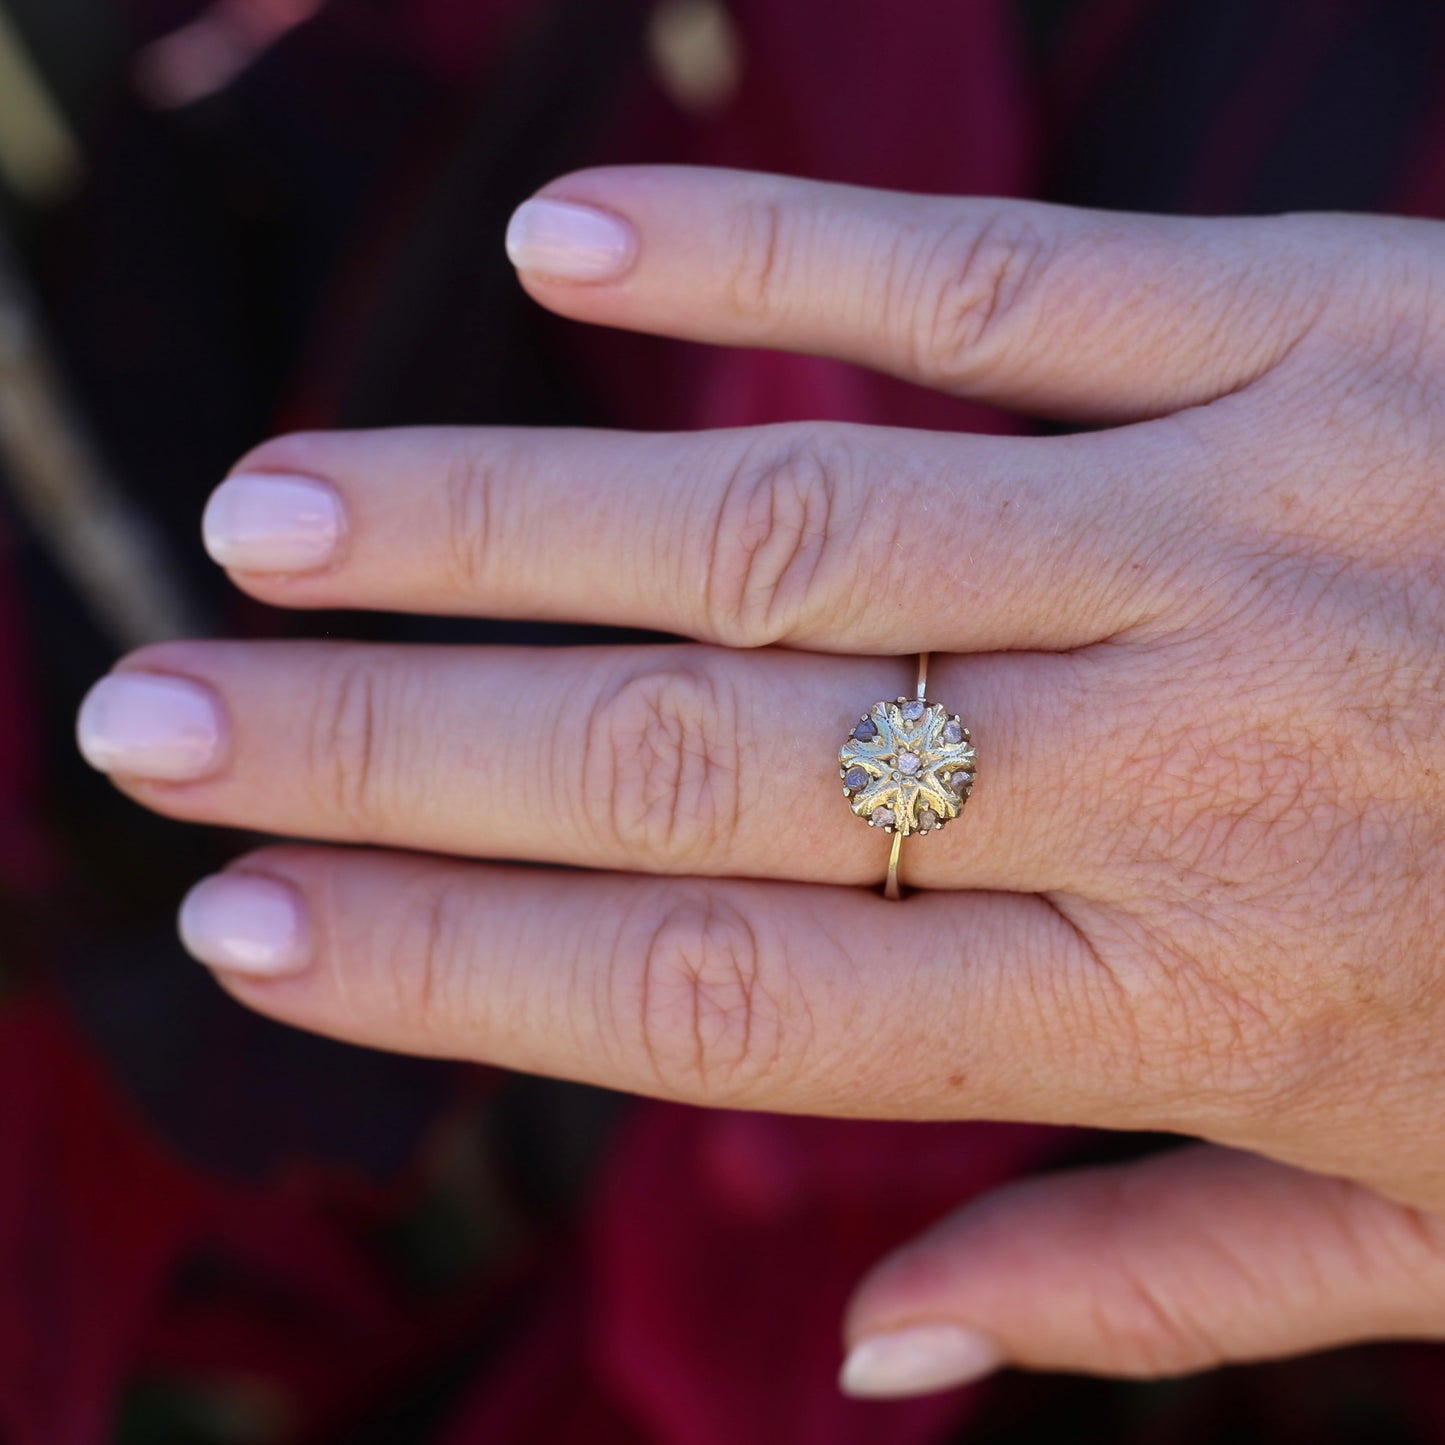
222, 220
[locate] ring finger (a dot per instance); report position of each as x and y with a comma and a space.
671, 759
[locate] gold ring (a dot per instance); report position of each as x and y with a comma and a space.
907, 767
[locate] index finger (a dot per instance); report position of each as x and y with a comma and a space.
1040, 308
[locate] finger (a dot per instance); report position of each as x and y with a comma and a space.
665, 759
788, 997
1039, 308
1192, 1259
832, 538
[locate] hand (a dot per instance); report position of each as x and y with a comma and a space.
1200, 886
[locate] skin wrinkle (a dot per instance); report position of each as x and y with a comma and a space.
670, 794
1143, 1329
971, 303
772, 534
427, 947
471, 483
342, 740
707, 951
758, 249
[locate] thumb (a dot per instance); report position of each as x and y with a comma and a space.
1191, 1259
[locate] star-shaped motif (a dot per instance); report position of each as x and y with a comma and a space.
908, 766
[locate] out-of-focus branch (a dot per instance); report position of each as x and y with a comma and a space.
111, 554
38, 154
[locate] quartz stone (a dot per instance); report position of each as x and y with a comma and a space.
959, 783
866, 731
883, 817
927, 820
953, 733
912, 711
855, 778
909, 763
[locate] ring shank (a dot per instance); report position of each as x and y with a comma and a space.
892, 887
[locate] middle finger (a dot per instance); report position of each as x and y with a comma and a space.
827, 537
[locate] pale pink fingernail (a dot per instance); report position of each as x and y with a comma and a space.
145, 725
244, 923
567, 242
261, 522
917, 1361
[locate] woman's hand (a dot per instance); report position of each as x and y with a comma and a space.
1200, 887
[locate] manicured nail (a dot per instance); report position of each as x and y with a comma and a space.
148, 726
243, 923
260, 522
917, 1361
567, 242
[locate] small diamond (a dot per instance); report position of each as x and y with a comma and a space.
883, 817
960, 783
912, 711
866, 731
855, 778
953, 733
927, 819
909, 762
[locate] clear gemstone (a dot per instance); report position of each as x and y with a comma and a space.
866, 731
960, 783
953, 733
927, 819
883, 817
909, 762
855, 778
912, 711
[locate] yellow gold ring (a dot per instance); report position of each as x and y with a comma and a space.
907, 767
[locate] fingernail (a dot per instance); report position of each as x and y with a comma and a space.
243, 923
568, 242
917, 1361
259, 522
148, 726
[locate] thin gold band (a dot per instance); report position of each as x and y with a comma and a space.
892, 888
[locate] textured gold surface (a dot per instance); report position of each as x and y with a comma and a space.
890, 789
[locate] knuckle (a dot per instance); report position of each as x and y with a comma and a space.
754, 282
707, 1021
344, 750
426, 960
976, 281
1147, 1324
1147, 1335
471, 489
663, 749
775, 529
